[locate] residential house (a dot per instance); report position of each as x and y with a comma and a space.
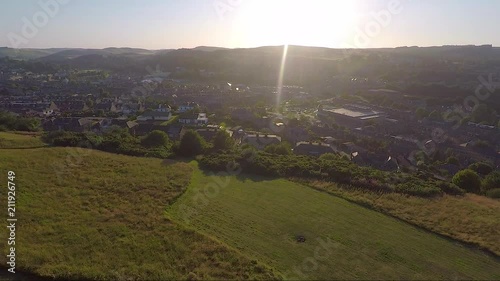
70, 124
260, 141
193, 119
160, 114
104, 124
132, 108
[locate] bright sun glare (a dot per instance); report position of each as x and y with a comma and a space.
295, 22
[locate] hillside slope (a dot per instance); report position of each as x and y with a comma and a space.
93, 215
263, 218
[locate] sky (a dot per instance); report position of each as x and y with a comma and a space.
172, 24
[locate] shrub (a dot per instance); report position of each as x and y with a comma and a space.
192, 276
493, 193
481, 168
12, 122
491, 181
191, 144
468, 180
155, 139
280, 149
450, 188
222, 141
453, 161
418, 188
328, 157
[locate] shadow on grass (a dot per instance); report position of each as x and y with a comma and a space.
242, 177
173, 161
24, 148
27, 276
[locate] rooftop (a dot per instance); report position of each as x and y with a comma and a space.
355, 113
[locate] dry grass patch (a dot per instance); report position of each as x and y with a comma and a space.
105, 220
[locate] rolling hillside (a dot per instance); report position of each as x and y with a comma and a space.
92, 215
263, 219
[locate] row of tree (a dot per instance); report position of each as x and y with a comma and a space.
11, 122
155, 144
220, 153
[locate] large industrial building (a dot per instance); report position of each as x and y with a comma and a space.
352, 115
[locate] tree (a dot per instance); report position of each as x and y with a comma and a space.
222, 141
155, 139
192, 144
468, 180
329, 157
281, 149
481, 168
491, 181
453, 161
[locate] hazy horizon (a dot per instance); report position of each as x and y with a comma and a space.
174, 24
203, 46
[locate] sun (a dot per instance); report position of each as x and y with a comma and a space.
295, 22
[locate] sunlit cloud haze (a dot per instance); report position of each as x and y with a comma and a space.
163, 24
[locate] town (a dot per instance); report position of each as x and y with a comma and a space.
250, 140
382, 123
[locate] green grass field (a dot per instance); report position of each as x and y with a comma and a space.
470, 218
94, 215
18, 140
262, 217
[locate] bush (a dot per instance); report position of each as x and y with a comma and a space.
418, 188
453, 161
11, 122
451, 188
191, 144
491, 181
329, 157
493, 193
481, 168
468, 180
279, 149
155, 139
222, 141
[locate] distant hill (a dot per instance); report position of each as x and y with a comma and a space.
69, 54
208, 48
305, 66
27, 54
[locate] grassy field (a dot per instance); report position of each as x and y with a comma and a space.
471, 218
20, 140
262, 218
89, 214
